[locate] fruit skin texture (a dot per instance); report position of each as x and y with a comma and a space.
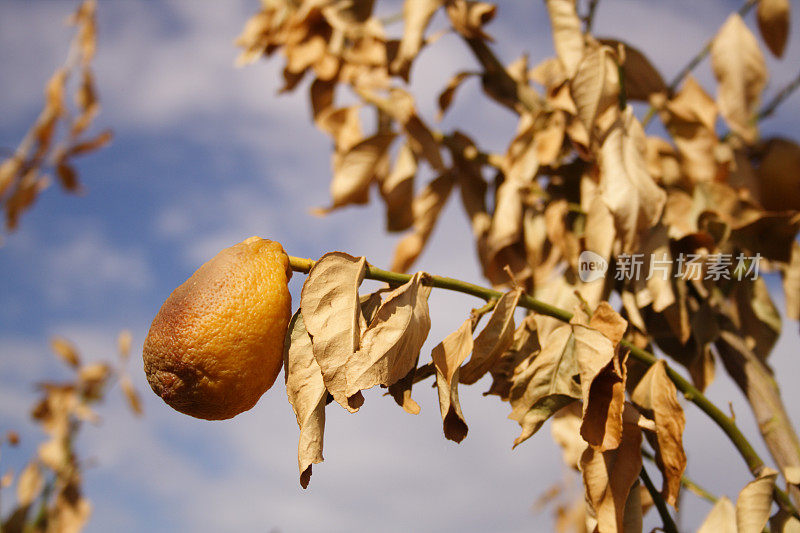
216, 345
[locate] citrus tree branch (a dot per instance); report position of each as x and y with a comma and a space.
658, 500
694, 395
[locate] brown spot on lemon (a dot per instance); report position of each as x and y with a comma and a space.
216, 345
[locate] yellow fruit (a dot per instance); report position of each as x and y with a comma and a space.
216, 345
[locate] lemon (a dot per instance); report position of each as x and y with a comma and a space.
216, 345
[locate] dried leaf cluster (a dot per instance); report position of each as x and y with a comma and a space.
580, 174
49, 494
59, 133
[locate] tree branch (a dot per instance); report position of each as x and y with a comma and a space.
658, 500
728, 425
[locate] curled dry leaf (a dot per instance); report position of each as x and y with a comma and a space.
567, 35
390, 345
566, 431
546, 383
447, 357
397, 190
773, 23
306, 390
742, 74
416, 16
66, 351
29, 484
609, 475
755, 502
331, 309
468, 17
642, 79
446, 96
495, 338
426, 208
131, 396
625, 185
525, 345
656, 396
721, 518
124, 340
778, 175
595, 89
791, 284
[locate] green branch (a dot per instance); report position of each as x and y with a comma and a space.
686, 482
694, 395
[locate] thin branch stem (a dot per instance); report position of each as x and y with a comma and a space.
658, 500
745, 449
778, 99
588, 20
687, 482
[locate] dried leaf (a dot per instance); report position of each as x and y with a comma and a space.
67, 176
124, 340
791, 284
306, 390
721, 518
131, 395
625, 185
778, 175
29, 484
567, 34
642, 79
608, 477
397, 190
773, 23
354, 170
416, 15
426, 207
759, 319
595, 87
566, 431
447, 357
525, 345
66, 351
754, 503
390, 346
446, 96
468, 17
656, 396
742, 74
548, 383
102, 139
495, 338
331, 310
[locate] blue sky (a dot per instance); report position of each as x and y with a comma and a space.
205, 155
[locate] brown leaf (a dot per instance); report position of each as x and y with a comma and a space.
595, 87
67, 176
354, 170
656, 396
566, 431
446, 96
131, 395
416, 15
426, 207
29, 484
545, 384
758, 319
447, 357
742, 74
102, 139
66, 351
791, 284
754, 503
306, 390
468, 17
602, 387
397, 190
642, 79
608, 477
625, 185
124, 340
567, 34
331, 310
524, 346
773, 23
721, 518
495, 338
778, 175
390, 345
608, 322
343, 125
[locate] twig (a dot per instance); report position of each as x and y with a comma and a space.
745, 449
661, 505
778, 99
588, 20
687, 482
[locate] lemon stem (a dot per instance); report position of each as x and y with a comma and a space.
694, 395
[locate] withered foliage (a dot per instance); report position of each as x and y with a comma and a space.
49, 495
60, 133
580, 174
